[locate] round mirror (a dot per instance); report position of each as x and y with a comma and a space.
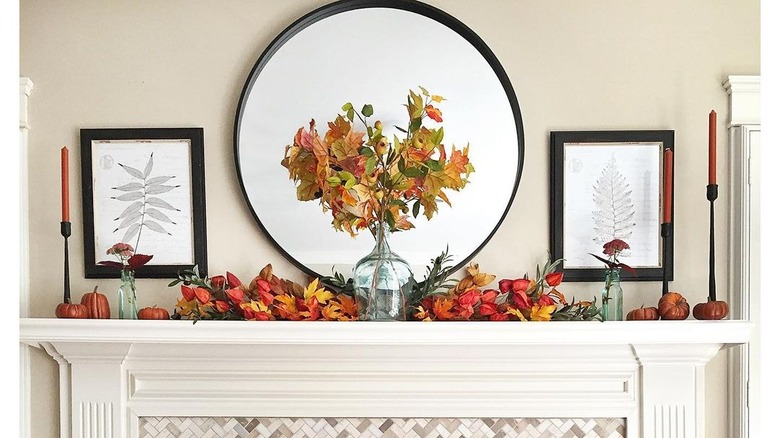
375, 52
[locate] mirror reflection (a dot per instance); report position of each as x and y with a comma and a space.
376, 55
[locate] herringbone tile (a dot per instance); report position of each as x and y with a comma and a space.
242, 427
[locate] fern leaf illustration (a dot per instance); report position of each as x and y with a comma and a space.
131, 232
135, 173
159, 203
131, 209
158, 180
154, 226
129, 187
149, 165
613, 217
139, 214
160, 216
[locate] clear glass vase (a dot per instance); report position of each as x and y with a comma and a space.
612, 297
128, 306
383, 282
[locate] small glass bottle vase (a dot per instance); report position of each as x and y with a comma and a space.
612, 297
128, 306
383, 282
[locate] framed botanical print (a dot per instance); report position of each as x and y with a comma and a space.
144, 187
608, 185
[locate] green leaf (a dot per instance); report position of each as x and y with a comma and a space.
438, 136
416, 208
367, 110
351, 114
401, 164
400, 129
418, 102
415, 124
333, 181
366, 151
434, 165
413, 172
390, 219
347, 106
424, 91
370, 164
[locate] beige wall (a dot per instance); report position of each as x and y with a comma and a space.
587, 65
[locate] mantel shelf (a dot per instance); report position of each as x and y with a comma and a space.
649, 372
34, 330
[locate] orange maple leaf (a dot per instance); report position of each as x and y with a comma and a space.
442, 308
541, 313
348, 306
433, 113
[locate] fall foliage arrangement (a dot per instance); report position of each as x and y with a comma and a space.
437, 298
364, 179
265, 298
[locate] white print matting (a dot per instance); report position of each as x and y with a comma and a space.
612, 191
141, 196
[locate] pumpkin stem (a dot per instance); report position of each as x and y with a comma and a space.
94, 290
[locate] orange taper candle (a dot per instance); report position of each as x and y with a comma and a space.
65, 179
667, 211
713, 149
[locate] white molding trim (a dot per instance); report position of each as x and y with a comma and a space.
25, 421
65, 385
744, 131
25, 89
650, 372
745, 99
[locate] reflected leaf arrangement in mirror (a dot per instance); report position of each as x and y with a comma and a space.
365, 180
283, 93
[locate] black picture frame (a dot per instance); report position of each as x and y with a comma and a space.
171, 145
560, 142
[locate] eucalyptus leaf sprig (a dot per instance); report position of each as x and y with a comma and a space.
191, 277
436, 279
578, 311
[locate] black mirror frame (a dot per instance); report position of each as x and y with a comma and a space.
406, 5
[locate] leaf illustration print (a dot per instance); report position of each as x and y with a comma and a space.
146, 207
613, 217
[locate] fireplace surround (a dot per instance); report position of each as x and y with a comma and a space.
113, 373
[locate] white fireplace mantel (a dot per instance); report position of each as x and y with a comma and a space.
112, 372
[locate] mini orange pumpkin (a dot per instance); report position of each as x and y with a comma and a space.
97, 304
711, 310
153, 313
70, 310
643, 314
673, 306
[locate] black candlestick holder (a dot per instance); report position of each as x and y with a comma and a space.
666, 232
712, 195
65, 231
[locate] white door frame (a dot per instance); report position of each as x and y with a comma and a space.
744, 133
